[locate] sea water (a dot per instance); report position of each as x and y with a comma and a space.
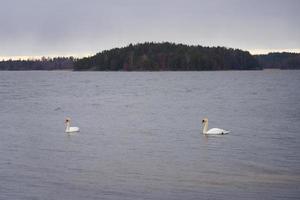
141, 136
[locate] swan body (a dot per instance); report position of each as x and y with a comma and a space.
70, 129
213, 131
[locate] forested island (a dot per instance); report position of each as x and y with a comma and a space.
165, 56
168, 56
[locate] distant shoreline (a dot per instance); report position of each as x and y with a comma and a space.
165, 56
268, 69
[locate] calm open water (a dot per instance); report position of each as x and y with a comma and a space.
141, 135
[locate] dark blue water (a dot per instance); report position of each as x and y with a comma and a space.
141, 135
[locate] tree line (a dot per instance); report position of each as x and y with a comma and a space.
279, 60
168, 56
151, 56
57, 63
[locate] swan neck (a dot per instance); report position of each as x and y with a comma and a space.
205, 127
67, 126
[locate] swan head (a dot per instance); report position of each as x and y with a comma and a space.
205, 120
67, 120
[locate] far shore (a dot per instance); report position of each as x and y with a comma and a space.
70, 70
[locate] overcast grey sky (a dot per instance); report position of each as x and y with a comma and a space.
84, 27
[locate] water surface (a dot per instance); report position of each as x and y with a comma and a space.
141, 135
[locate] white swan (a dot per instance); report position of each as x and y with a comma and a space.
213, 131
70, 129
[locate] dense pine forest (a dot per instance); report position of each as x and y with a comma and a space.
279, 60
168, 56
161, 57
